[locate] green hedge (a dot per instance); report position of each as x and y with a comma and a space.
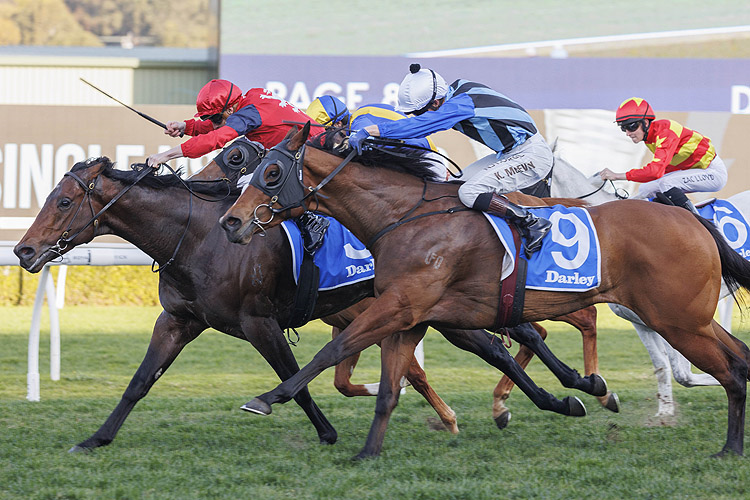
85, 285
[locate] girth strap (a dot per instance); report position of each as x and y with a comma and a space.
512, 290
306, 295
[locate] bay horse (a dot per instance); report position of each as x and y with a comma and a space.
415, 219
205, 281
568, 181
233, 164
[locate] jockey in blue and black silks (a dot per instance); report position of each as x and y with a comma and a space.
522, 157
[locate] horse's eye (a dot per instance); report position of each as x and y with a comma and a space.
272, 175
64, 203
236, 157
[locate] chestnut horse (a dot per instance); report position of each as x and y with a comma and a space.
205, 281
670, 274
234, 162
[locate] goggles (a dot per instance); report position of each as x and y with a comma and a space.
217, 118
630, 127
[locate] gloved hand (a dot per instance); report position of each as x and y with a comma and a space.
356, 139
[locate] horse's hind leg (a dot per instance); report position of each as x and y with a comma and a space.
170, 335
397, 353
584, 320
591, 384
500, 412
493, 352
711, 355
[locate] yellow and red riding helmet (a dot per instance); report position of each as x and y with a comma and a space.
634, 109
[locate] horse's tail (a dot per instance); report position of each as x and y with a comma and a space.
734, 268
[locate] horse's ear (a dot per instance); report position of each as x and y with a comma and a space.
299, 139
291, 132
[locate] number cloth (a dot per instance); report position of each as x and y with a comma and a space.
570, 257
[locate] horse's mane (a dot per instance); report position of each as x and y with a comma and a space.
567, 202
399, 158
157, 182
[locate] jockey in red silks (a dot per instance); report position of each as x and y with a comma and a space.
684, 160
224, 114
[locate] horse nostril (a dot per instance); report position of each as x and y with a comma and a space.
231, 223
25, 252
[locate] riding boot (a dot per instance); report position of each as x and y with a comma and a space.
678, 198
532, 228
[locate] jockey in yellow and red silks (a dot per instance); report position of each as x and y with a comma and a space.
684, 160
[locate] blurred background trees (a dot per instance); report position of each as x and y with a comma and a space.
127, 23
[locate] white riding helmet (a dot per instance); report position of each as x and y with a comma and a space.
419, 88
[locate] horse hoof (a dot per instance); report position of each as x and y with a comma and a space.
257, 406
599, 385
364, 456
78, 449
502, 420
613, 403
575, 407
727, 452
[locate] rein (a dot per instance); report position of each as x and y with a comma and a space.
382, 144
614, 188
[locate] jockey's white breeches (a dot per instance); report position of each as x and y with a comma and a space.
519, 168
693, 180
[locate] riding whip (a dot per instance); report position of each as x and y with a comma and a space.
144, 115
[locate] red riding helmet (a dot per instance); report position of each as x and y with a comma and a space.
634, 108
216, 96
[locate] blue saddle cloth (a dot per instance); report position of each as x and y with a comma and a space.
570, 257
342, 259
730, 222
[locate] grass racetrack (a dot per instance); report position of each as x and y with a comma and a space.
188, 439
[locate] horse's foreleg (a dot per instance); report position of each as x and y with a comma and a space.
385, 317
169, 336
397, 353
501, 413
267, 337
584, 320
591, 384
416, 377
418, 380
491, 349
342, 378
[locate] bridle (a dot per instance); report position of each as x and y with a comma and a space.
235, 159
291, 195
249, 151
289, 190
65, 237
